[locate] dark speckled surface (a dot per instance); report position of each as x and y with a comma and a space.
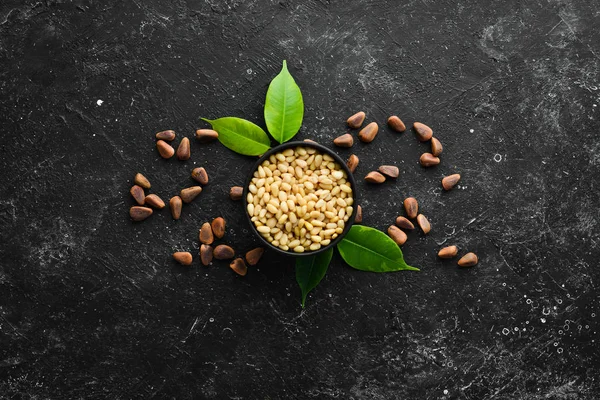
92, 306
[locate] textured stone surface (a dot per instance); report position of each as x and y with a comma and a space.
93, 306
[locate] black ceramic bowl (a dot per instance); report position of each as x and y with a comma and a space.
322, 150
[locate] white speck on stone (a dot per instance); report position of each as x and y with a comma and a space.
498, 157
543, 320
445, 391
471, 130
99, 102
249, 71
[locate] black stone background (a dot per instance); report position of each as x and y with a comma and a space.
91, 304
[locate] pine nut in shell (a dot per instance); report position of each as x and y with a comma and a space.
183, 150
206, 135
206, 254
448, 252
164, 149
412, 207
183, 257
396, 124
175, 205
355, 121
206, 235
223, 252
138, 213
236, 192
428, 160
254, 255
436, 147
424, 223
138, 194
397, 235
423, 132
189, 194
239, 266
218, 227
200, 175
142, 181
368, 133
167, 135
450, 181
390, 171
375, 177
352, 162
345, 140
154, 201
468, 260
404, 223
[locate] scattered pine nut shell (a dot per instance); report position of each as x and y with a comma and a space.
206, 234
138, 213
404, 223
183, 151
138, 194
164, 149
352, 162
436, 147
423, 132
448, 252
428, 160
167, 135
239, 266
468, 260
368, 133
310, 141
396, 124
218, 227
424, 223
183, 257
189, 194
344, 141
223, 252
154, 201
448, 182
374, 177
206, 254
389, 170
236, 193
200, 175
175, 206
206, 135
412, 207
397, 235
358, 218
356, 120
254, 255
141, 181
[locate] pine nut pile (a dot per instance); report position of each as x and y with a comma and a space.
299, 199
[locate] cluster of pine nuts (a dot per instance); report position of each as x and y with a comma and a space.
300, 199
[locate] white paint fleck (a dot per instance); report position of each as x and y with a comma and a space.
498, 157
445, 391
471, 130
99, 102
543, 320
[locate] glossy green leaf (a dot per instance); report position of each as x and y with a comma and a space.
310, 271
284, 107
369, 249
241, 136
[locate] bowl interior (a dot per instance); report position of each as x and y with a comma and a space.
323, 150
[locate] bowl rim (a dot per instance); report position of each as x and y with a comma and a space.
323, 150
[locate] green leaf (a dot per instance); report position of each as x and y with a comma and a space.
241, 136
310, 271
369, 249
284, 107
